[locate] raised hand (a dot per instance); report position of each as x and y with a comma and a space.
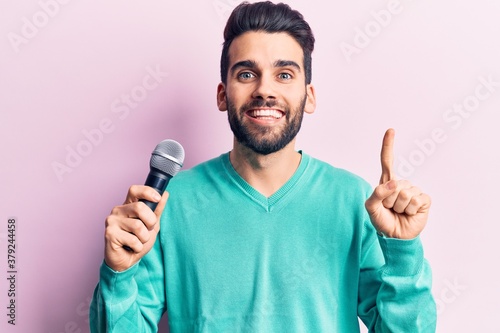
396, 208
131, 228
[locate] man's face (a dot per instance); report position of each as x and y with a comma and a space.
265, 94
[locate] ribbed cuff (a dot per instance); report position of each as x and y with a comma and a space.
117, 284
403, 257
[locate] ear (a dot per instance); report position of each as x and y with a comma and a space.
311, 99
221, 97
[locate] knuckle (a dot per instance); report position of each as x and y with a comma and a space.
368, 204
387, 204
110, 220
379, 191
416, 201
116, 210
410, 211
133, 189
109, 234
144, 213
133, 192
149, 217
140, 247
141, 206
136, 225
405, 195
136, 208
145, 237
137, 245
399, 210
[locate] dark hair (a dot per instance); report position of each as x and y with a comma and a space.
271, 18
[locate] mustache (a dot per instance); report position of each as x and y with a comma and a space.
260, 103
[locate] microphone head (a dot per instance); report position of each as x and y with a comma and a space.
167, 157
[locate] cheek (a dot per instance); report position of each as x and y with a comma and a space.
238, 99
293, 92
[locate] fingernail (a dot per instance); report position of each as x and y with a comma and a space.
157, 197
389, 185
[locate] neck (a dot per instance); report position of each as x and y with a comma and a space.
265, 173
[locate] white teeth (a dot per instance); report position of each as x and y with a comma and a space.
266, 113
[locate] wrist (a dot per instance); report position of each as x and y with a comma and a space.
403, 257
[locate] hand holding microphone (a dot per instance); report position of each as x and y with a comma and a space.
131, 228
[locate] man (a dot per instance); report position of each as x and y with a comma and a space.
266, 238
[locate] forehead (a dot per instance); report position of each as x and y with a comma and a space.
265, 48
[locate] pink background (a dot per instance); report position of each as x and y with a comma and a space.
67, 76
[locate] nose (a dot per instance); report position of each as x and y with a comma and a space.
264, 88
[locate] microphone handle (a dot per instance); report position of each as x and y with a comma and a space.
158, 181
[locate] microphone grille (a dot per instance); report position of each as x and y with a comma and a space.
167, 157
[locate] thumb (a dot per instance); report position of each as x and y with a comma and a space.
380, 193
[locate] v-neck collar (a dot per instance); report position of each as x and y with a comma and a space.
277, 199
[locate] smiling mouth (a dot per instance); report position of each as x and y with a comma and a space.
265, 114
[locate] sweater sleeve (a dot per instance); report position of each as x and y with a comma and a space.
132, 300
395, 286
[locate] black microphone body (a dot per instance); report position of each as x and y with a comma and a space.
166, 160
159, 182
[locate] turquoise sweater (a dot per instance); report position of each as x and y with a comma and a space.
306, 259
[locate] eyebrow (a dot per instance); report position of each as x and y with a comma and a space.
286, 63
253, 64
244, 63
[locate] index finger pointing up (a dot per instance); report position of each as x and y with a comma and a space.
387, 156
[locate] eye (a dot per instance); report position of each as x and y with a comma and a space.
285, 76
246, 75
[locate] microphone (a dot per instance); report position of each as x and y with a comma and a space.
166, 160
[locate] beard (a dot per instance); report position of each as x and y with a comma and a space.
265, 140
